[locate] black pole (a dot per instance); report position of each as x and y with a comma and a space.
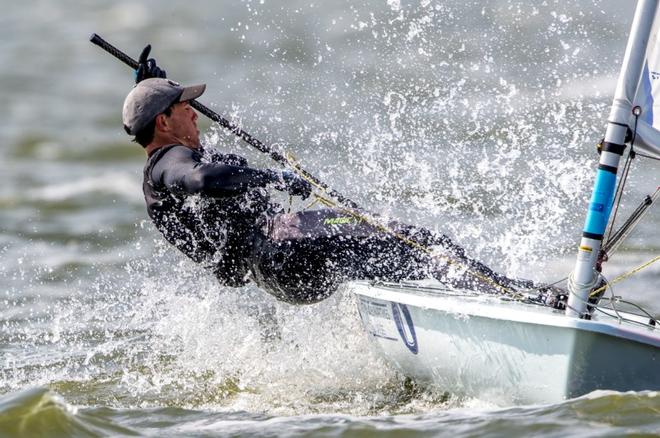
236, 130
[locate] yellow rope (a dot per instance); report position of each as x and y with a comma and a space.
373, 222
624, 276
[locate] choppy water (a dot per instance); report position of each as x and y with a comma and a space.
475, 118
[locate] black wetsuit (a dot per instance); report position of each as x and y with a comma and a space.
217, 211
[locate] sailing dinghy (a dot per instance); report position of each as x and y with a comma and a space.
526, 348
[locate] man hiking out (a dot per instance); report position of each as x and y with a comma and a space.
217, 210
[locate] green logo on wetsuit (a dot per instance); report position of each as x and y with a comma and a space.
340, 220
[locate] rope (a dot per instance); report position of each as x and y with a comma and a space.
572, 285
648, 156
625, 275
379, 226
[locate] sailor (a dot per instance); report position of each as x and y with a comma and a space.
217, 210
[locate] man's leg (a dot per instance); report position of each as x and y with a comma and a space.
453, 265
305, 257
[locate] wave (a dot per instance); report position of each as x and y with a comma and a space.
37, 412
123, 184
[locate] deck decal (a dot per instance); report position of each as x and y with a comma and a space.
407, 336
377, 319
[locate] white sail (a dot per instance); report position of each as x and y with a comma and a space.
647, 97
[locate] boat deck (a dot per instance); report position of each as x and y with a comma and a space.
429, 295
504, 350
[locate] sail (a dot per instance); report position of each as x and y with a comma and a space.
647, 96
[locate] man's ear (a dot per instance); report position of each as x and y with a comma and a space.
162, 122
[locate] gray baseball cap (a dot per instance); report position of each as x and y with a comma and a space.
151, 97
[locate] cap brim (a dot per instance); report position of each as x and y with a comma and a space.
192, 92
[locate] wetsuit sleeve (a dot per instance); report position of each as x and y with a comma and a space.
180, 170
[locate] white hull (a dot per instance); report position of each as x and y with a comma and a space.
505, 351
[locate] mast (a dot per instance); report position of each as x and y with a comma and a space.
584, 275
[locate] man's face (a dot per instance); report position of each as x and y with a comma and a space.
184, 124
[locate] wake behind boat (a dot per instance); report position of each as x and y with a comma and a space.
527, 347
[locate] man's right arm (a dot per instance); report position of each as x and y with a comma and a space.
181, 171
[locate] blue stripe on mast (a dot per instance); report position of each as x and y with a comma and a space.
601, 203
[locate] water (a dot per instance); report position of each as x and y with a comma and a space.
478, 119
